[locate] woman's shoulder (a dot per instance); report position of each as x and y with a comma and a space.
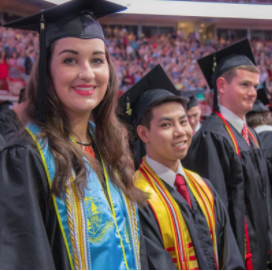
21, 145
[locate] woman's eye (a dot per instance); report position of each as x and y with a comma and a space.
69, 61
97, 61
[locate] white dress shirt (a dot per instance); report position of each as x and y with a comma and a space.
197, 127
263, 128
233, 119
165, 173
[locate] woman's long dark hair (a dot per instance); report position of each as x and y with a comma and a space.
111, 137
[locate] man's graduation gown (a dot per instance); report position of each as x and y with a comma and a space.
30, 234
228, 252
242, 183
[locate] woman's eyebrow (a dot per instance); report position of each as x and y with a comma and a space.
98, 52
69, 51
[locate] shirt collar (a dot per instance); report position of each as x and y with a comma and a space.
233, 119
263, 128
197, 126
163, 172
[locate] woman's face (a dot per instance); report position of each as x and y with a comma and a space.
80, 73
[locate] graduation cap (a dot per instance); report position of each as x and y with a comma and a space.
77, 18
214, 65
261, 101
192, 95
154, 86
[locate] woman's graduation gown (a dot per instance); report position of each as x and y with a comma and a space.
242, 183
30, 234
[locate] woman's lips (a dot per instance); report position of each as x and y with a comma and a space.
84, 90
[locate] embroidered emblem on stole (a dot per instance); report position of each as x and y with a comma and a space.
94, 219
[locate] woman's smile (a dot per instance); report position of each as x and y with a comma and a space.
84, 90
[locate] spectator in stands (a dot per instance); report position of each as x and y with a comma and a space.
29, 60
3, 71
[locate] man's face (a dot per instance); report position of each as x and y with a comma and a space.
194, 114
170, 133
240, 94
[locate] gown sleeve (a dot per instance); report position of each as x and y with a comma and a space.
229, 256
23, 239
158, 258
3, 142
264, 140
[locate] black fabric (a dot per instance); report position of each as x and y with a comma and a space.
72, 19
258, 107
154, 86
5, 105
261, 101
228, 252
192, 102
215, 64
3, 143
266, 140
30, 235
237, 54
191, 94
242, 184
10, 125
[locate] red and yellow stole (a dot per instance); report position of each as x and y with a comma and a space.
174, 230
248, 255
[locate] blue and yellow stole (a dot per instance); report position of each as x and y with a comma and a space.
98, 234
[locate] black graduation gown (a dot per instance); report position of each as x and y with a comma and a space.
241, 183
228, 252
30, 235
3, 142
10, 125
266, 141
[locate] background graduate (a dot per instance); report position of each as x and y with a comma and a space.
67, 198
259, 118
228, 153
11, 118
203, 233
193, 109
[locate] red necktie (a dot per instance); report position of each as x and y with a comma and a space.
182, 189
245, 134
249, 265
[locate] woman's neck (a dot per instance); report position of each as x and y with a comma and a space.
79, 126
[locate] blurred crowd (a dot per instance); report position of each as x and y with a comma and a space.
133, 57
18, 51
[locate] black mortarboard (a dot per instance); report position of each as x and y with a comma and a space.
214, 65
153, 87
261, 101
75, 18
191, 94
